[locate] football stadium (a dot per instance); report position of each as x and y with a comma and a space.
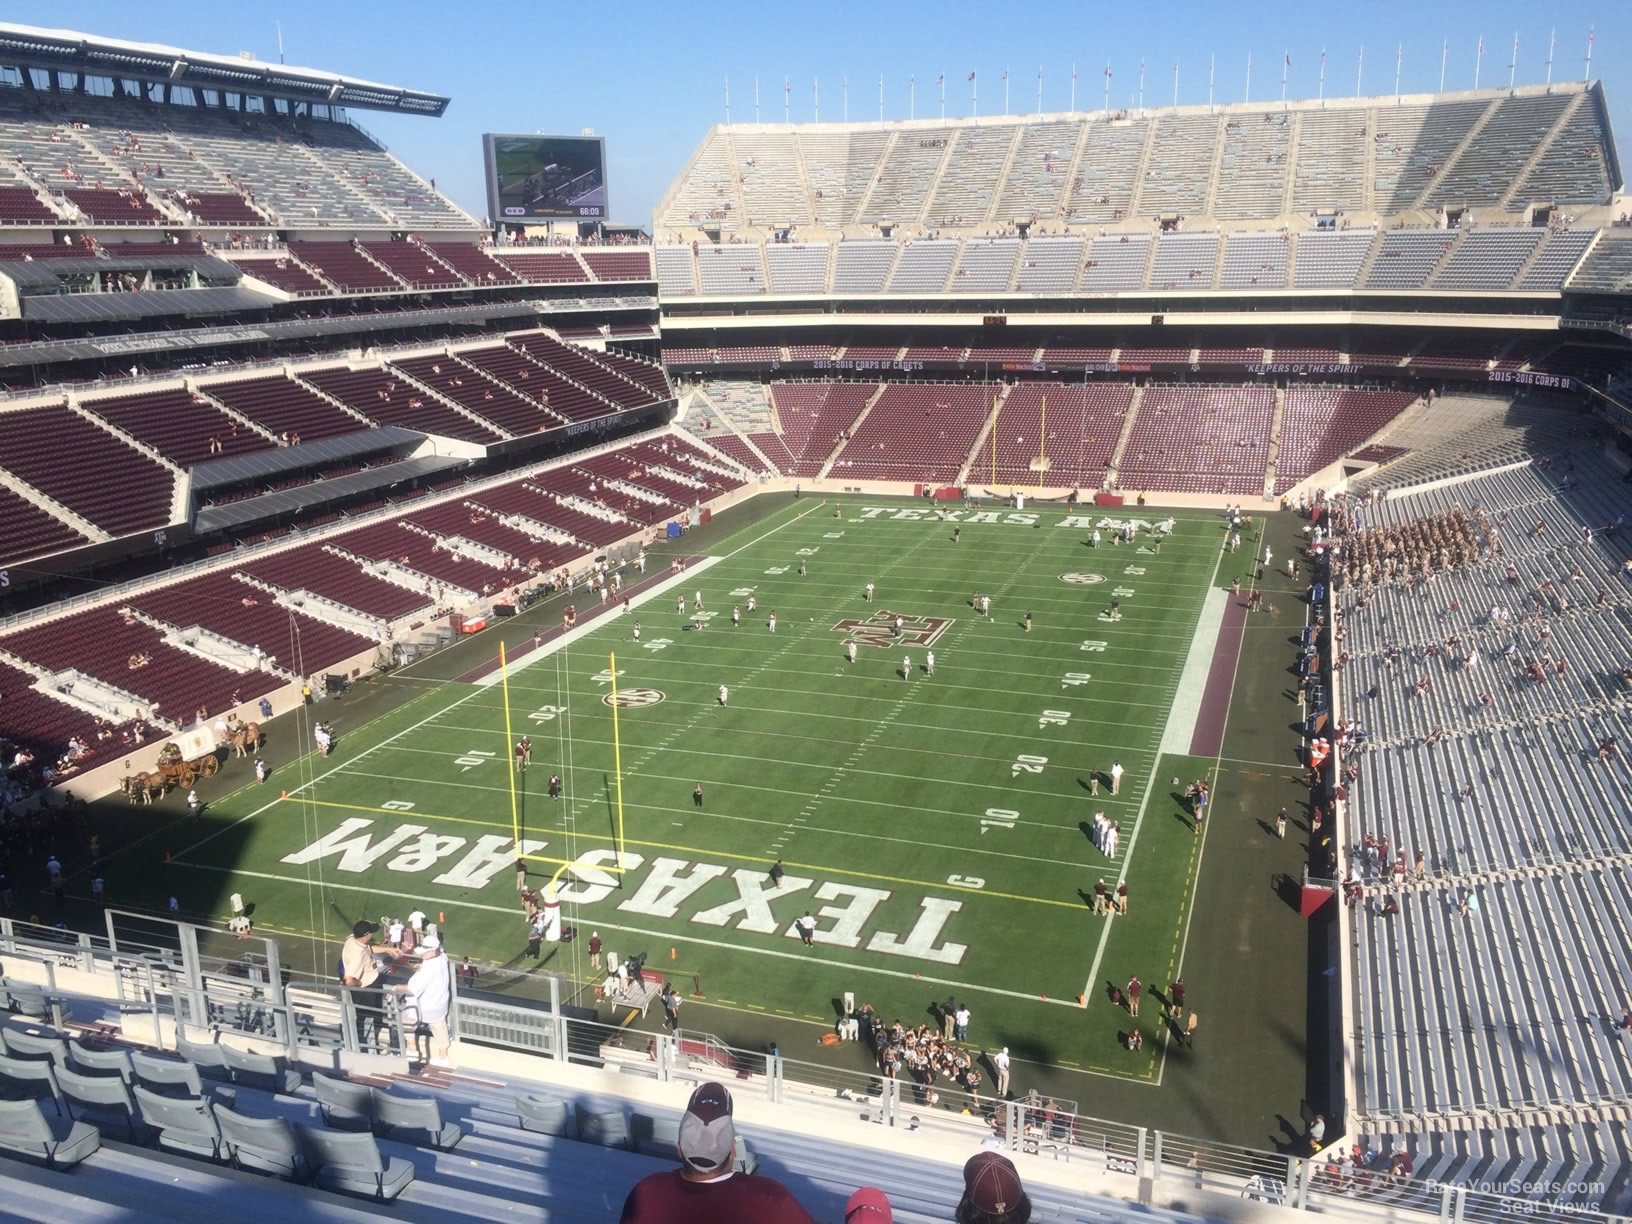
1051, 666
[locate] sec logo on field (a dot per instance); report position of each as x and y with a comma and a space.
633, 699
1076, 579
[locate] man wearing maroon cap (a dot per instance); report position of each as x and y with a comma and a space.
707, 1189
992, 1193
869, 1205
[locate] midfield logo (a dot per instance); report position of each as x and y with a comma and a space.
876, 630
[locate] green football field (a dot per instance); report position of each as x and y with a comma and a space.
936, 827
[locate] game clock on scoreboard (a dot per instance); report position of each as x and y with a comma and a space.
995, 321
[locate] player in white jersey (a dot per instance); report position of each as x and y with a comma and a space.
773, 620
680, 604
725, 695
906, 667
869, 592
637, 631
929, 663
753, 603
736, 616
697, 601
850, 650
986, 606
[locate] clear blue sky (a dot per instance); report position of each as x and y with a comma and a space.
650, 76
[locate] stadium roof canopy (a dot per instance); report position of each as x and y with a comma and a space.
71, 51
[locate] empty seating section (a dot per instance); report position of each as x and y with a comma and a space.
472, 263
1322, 424
283, 406
675, 275
515, 413
1083, 423
1252, 166
811, 416
1608, 266
179, 424
101, 644
415, 266
1199, 440
1332, 173
1331, 259
558, 385
1103, 187
923, 266
1184, 261
86, 468
217, 208
1035, 186
1049, 265
243, 614
1575, 169
987, 265
1180, 144
797, 267
39, 722
733, 268
380, 395
969, 183
839, 167
1557, 259
20, 206
30, 531
1488, 258
706, 191
1254, 261
1406, 258
285, 274
619, 265
647, 374
916, 431
114, 206
767, 169
1413, 144
544, 267
310, 568
860, 267
344, 265
910, 167
597, 371
1116, 263
1483, 173
421, 554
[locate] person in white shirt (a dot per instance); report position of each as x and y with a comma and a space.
1116, 777
869, 592
906, 667
428, 994
929, 663
260, 770
393, 933
417, 920
850, 651
773, 622
1000, 1064
986, 606
725, 695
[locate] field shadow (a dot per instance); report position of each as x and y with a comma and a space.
1288, 889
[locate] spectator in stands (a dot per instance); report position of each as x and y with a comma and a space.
360, 970
869, 1205
992, 1193
707, 1189
427, 995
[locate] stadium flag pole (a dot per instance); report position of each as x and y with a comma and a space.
1399, 62
1247, 96
1211, 67
509, 746
617, 749
1005, 92
1552, 45
881, 99
1107, 87
1286, 66
727, 100
1042, 442
1175, 82
941, 81
1039, 89
1359, 69
787, 100
1478, 61
1321, 96
1592, 37
844, 99
1513, 63
974, 97
1444, 56
816, 99
1073, 88
756, 100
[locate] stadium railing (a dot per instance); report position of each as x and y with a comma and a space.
166, 967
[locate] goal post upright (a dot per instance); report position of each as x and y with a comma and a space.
509, 748
617, 751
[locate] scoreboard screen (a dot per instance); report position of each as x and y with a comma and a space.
545, 178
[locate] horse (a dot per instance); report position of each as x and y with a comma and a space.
246, 739
143, 786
